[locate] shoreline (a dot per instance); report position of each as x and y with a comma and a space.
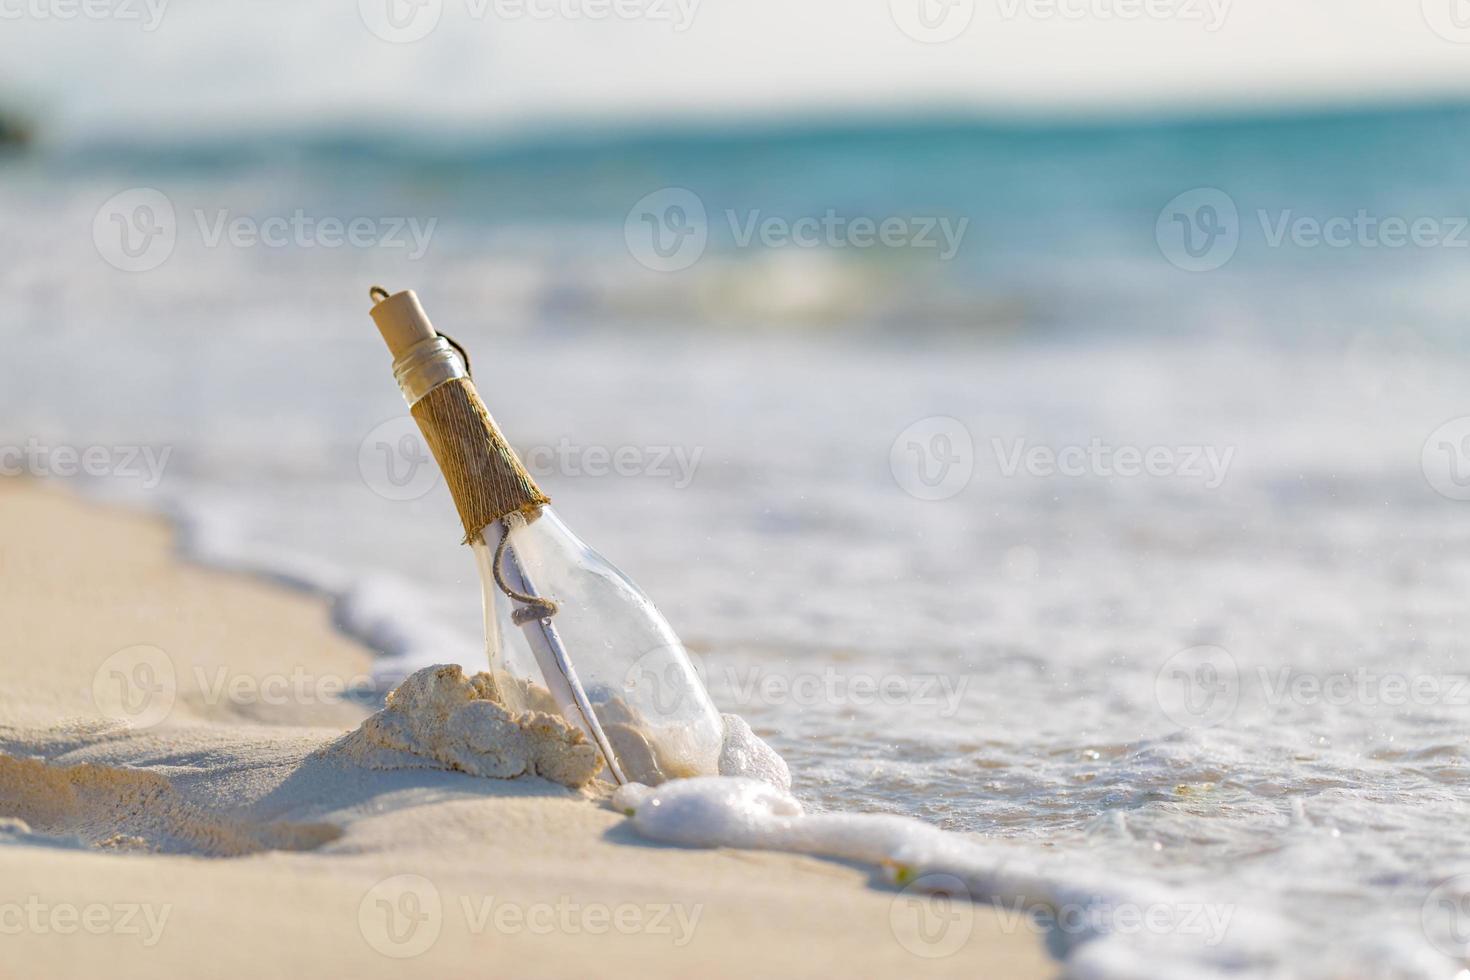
253, 853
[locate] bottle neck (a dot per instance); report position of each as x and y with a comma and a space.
425, 366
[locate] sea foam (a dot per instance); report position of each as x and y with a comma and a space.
1082, 912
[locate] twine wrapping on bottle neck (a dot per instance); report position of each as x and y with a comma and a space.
485, 477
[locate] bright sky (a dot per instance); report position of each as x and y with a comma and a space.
221, 62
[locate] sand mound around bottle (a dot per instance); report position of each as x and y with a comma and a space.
132, 810
439, 718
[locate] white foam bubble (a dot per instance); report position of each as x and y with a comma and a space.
744, 753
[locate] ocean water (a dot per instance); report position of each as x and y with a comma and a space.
883, 495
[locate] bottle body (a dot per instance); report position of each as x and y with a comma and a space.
650, 706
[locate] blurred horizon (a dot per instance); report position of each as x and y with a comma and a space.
147, 71
406, 139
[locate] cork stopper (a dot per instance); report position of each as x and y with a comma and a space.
401, 320
485, 477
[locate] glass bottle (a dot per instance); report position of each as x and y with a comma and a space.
565, 630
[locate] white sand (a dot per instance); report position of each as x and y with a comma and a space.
221, 840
